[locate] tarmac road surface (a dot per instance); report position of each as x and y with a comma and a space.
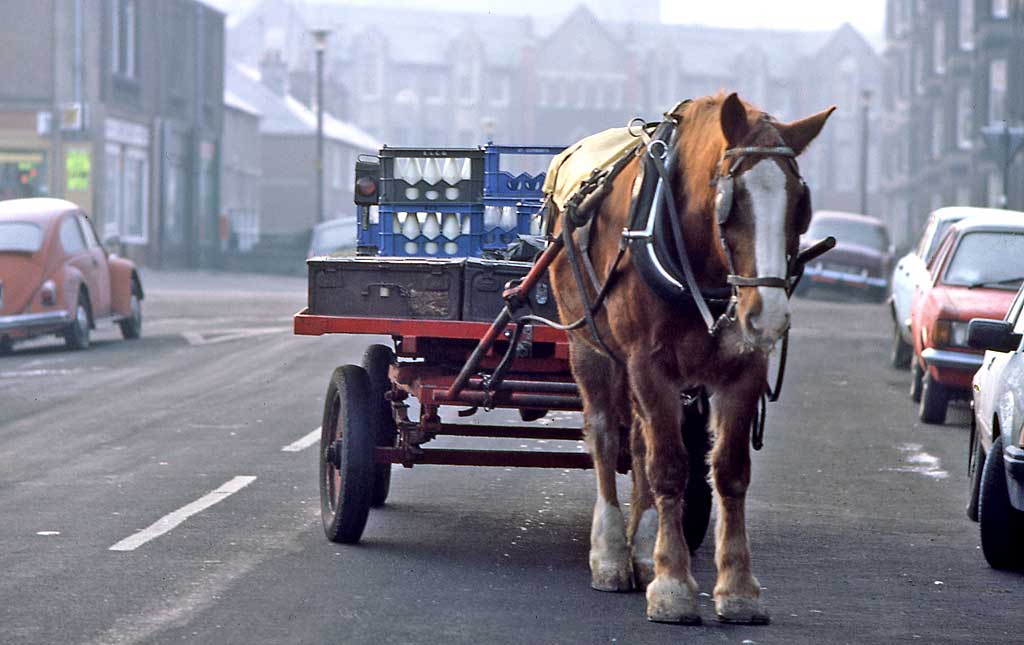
146, 495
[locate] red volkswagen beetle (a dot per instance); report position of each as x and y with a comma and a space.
56, 277
974, 274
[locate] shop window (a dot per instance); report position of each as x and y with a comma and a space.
1000, 8
22, 174
127, 193
964, 117
124, 37
966, 25
997, 90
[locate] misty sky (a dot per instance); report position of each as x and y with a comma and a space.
866, 15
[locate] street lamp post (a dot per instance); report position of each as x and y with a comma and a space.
865, 106
320, 44
1004, 142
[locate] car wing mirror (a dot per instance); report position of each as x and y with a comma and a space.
996, 335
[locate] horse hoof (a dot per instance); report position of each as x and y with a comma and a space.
741, 610
672, 601
643, 573
610, 577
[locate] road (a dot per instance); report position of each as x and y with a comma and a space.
855, 514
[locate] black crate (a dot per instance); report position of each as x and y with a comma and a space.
486, 279
407, 288
396, 190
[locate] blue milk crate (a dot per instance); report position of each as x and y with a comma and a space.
406, 176
393, 229
500, 183
501, 227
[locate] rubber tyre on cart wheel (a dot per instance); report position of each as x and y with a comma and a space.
346, 454
376, 361
934, 401
916, 376
974, 469
697, 500
901, 353
1002, 526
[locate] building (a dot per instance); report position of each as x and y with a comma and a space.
116, 105
241, 175
277, 231
953, 68
553, 78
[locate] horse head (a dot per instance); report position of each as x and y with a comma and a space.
761, 206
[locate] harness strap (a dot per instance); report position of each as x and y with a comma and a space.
763, 281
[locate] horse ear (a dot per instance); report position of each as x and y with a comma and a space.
798, 134
734, 120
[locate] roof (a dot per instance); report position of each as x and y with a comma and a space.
236, 102
37, 209
995, 219
960, 212
853, 217
286, 114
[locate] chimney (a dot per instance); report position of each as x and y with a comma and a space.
274, 72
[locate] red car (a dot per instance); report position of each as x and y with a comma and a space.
56, 278
974, 274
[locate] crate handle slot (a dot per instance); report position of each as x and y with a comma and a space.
384, 289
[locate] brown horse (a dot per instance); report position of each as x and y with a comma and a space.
658, 349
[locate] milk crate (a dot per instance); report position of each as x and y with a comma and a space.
443, 231
500, 183
431, 176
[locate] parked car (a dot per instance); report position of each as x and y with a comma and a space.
859, 263
974, 274
996, 457
333, 236
911, 271
56, 277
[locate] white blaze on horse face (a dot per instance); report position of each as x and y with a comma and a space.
766, 185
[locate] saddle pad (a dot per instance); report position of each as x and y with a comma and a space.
574, 165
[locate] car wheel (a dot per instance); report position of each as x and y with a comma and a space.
901, 352
6, 345
76, 336
1002, 526
131, 327
974, 467
934, 400
916, 376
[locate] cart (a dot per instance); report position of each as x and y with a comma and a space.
456, 336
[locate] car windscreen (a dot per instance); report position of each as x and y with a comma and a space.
20, 237
849, 232
987, 259
332, 238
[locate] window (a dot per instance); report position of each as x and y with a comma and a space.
123, 40
939, 46
964, 117
966, 25
499, 89
135, 197
980, 259
23, 237
1000, 8
71, 236
994, 186
87, 232
938, 132
112, 165
997, 90
963, 195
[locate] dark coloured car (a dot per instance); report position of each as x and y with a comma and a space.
860, 262
996, 466
56, 278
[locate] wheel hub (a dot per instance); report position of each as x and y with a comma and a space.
333, 456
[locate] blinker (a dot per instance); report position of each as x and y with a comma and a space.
723, 198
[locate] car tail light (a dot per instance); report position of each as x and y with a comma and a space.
48, 294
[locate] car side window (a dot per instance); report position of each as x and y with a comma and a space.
87, 232
927, 240
71, 236
937, 260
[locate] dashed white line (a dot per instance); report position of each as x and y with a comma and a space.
305, 442
171, 520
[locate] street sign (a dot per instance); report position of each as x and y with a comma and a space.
77, 169
996, 141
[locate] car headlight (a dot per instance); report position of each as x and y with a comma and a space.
950, 333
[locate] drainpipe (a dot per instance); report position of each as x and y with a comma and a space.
55, 188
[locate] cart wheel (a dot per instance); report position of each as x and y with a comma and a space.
376, 361
346, 454
697, 498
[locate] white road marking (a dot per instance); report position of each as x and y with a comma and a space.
171, 520
195, 338
920, 462
47, 533
305, 442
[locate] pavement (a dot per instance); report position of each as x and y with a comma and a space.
189, 452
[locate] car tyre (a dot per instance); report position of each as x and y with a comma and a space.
1002, 526
974, 468
916, 378
901, 352
934, 401
377, 360
131, 327
6, 345
76, 336
347, 437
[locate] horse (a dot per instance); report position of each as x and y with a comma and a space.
642, 350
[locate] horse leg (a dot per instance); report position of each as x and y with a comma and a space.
643, 518
672, 595
597, 377
737, 592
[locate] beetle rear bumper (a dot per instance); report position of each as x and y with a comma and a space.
32, 321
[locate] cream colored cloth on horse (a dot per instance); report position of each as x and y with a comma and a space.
574, 165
